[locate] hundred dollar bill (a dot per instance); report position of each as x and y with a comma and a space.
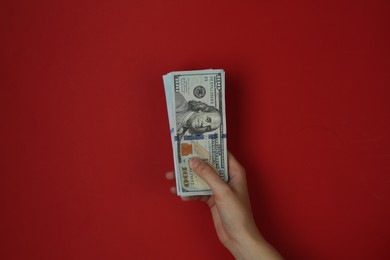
196, 112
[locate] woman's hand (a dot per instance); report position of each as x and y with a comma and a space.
231, 211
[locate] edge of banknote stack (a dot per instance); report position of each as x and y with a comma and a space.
197, 121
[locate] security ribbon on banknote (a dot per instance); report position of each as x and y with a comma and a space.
196, 112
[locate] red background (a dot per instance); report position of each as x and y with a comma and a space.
85, 139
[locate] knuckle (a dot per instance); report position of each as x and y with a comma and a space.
239, 171
242, 170
204, 168
225, 190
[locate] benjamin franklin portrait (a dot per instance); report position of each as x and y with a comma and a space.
195, 117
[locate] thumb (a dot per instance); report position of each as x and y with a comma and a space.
209, 175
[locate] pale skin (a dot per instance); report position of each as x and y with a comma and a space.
231, 211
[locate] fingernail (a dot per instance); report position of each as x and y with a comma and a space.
194, 162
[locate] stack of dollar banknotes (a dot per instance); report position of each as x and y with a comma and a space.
197, 121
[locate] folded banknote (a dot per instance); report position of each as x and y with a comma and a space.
197, 121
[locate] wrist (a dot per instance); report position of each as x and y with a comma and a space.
254, 246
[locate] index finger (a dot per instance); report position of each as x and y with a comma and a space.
235, 168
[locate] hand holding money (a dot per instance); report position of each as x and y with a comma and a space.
196, 112
231, 211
